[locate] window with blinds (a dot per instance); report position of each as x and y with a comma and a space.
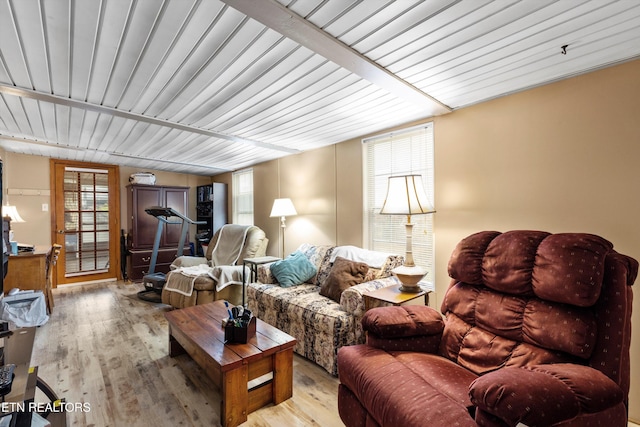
86, 221
242, 194
403, 152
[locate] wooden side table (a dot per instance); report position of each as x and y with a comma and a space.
392, 295
253, 264
26, 271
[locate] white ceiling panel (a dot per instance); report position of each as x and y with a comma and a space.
206, 86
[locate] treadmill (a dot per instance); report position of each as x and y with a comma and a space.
154, 282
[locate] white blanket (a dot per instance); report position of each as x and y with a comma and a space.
182, 279
225, 275
373, 259
229, 245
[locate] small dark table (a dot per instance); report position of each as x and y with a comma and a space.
253, 264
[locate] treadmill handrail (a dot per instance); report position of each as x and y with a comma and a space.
161, 211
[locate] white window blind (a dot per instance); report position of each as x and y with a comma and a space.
242, 194
403, 152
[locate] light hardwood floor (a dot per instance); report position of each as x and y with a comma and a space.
105, 347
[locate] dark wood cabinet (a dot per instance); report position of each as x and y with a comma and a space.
143, 227
211, 208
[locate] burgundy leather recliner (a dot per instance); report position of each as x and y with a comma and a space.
536, 330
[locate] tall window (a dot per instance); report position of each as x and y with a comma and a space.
403, 152
243, 197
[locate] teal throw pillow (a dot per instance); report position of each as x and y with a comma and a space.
293, 270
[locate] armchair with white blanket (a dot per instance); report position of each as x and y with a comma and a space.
218, 275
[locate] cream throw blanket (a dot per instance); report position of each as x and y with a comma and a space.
225, 275
223, 258
229, 245
182, 279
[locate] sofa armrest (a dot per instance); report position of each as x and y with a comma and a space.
188, 261
404, 328
352, 299
264, 274
543, 394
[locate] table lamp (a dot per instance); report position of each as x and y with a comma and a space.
12, 212
283, 208
406, 196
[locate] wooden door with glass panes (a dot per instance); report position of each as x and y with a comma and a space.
86, 218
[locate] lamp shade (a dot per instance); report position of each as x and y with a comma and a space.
12, 212
406, 196
283, 207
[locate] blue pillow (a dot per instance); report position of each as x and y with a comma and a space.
293, 270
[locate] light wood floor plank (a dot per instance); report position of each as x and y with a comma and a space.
104, 346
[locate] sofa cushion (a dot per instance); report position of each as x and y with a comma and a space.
344, 274
390, 263
320, 257
402, 321
570, 268
506, 288
293, 270
534, 263
522, 319
404, 384
569, 390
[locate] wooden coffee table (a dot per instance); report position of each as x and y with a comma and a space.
198, 332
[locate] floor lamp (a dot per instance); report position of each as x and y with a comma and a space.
283, 208
406, 196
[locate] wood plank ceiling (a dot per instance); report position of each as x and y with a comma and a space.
206, 86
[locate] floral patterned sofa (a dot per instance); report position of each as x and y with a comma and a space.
320, 325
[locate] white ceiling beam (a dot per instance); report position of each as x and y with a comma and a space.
45, 97
284, 21
57, 146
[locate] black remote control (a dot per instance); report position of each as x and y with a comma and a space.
6, 378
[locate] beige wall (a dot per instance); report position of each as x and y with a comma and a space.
563, 157
24, 172
325, 186
309, 179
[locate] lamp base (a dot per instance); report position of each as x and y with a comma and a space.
409, 277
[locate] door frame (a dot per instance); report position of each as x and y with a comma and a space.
114, 222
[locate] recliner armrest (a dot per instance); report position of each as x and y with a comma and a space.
543, 395
404, 328
188, 261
